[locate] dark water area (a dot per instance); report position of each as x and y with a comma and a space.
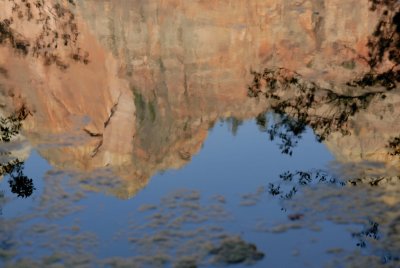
199, 134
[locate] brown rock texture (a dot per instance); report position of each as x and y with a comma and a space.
370, 133
159, 73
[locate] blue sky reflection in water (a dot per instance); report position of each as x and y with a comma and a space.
231, 170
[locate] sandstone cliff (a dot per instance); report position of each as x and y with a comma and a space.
159, 73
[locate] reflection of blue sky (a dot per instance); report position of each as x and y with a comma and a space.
234, 164
231, 166
227, 165
35, 168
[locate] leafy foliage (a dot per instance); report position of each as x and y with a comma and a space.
394, 146
19, 183
11, 125
297, 101
293, 181
384, 46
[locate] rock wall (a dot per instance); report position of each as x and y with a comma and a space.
159, 73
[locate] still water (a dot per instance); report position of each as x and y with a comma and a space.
199, 133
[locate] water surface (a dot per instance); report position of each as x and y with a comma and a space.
199, 134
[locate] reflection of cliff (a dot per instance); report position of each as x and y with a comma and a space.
80, 104
371, 131
159, 73
189, 60
356, 125
199, 41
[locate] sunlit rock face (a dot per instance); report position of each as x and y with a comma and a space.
203, 41
159, 73
194, 59
72, 100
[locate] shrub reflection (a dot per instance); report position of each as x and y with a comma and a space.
19, 183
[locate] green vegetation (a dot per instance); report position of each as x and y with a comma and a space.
152, 111
144, 109
349, 64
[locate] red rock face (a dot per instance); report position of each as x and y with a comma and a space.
159, 73
307, 36
72, 99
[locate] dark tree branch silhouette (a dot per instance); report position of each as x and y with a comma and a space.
394, 146
384, 47
19, 183
300, 103
297, 101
